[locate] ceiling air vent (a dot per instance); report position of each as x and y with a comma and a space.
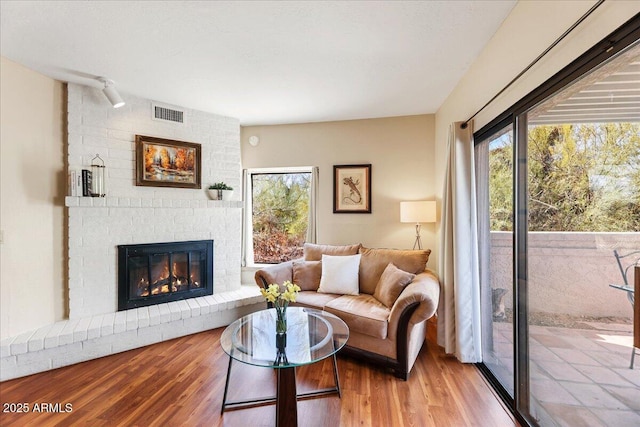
167, 114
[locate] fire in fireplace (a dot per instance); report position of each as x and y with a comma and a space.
154, 273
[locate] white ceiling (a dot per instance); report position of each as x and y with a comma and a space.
261, 62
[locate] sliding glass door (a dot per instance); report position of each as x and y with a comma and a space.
558, 182
583, 202
494, 160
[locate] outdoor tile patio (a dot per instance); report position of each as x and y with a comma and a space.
579, 376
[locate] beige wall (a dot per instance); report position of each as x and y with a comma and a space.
401, 151
32, 186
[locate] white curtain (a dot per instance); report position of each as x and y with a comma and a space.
459, 327
312, 227
247, 221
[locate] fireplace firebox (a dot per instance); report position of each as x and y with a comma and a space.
154, 273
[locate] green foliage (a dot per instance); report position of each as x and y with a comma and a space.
280, 215
501, 184
219, 186
581, 178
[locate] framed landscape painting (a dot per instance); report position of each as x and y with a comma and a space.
167, 163
352, 188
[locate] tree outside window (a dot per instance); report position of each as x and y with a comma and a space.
280, 215
582, 177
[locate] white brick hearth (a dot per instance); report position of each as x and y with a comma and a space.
72, 341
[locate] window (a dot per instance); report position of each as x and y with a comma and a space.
279, 214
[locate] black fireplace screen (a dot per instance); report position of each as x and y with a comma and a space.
154, 273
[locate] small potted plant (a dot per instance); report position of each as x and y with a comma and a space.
220, 191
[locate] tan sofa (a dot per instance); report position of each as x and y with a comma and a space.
389, 333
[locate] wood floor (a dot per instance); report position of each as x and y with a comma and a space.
181, 382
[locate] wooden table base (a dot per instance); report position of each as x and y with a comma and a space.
286, 398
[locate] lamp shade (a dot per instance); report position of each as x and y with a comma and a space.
420, 211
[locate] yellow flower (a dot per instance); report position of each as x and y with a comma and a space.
288, 296
292, 287
273, 295
274, 290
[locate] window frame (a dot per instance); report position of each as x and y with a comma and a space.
247, 215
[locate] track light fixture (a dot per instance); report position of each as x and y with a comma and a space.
111, 93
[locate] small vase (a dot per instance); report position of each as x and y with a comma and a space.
281, 347
226, 194
281, 321
281, 358
281, 342
214, 194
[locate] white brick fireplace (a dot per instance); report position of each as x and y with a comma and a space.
131, 215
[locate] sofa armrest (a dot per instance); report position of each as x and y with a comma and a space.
424, 291
277, 273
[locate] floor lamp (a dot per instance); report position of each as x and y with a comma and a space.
418, 212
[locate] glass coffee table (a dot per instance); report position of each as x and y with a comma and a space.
312, 335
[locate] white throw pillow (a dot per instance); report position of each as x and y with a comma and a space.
340, 274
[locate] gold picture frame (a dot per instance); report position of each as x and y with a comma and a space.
168, 163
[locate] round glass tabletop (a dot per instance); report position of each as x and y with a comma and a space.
312, 335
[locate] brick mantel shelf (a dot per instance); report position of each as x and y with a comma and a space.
141, 202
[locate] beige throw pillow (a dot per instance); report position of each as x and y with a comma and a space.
340, 274
374, 261
306, 274
391, 284
313, 252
